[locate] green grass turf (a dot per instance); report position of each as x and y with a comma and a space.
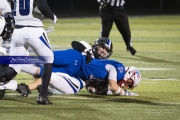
157, 40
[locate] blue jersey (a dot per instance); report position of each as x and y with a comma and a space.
74, 63
66, 61
95, 70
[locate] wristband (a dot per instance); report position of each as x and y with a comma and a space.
123, 92
118, 91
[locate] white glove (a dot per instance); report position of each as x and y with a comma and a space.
49, 29
109, 92
55, 19
6, 44
131, 93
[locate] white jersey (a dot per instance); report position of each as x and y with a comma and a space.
4, 6
26, 13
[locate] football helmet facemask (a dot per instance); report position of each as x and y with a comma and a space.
102, 48
133, 74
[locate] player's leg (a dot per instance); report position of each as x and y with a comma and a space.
65, 84
122, 24
17, 48
40, 45
106, 22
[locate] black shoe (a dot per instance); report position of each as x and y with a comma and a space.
132, 50
2, 92
23, 89
43, 101
49, 92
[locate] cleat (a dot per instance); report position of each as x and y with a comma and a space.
43, 101
49, 92
23, 89
2, 92
132, 50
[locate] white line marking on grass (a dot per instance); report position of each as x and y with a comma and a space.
156, 69
164, 79
150, 82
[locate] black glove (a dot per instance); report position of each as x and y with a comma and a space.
88, 59
9, 27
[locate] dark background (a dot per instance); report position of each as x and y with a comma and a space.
76, 8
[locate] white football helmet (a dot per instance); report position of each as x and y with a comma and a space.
133, 74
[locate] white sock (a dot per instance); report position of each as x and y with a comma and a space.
11, 85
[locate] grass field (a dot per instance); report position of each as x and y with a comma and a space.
157, 40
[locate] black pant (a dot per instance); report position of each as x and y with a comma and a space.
119, 17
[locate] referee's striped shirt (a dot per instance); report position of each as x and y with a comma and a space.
113, 3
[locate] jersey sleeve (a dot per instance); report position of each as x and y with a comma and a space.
44, 8
112, 72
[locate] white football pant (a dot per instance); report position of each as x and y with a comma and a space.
34, 37
62, 83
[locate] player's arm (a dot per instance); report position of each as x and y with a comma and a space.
9, 27
45, 10
112, 80
78, 46
83, 47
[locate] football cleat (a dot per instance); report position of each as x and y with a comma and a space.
43, 101
49, 92
23, 89
2, 92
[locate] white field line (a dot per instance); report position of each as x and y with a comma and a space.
149, 69
155, 79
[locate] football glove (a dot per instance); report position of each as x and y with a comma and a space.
49, 29
9, 27
102, 3
130, 93
54, 20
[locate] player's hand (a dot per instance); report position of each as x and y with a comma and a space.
88, 52
103, 3
109, 92
6, 44
131, 93
49, 29
54, 20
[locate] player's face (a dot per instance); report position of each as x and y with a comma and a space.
102, 52
128, 84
